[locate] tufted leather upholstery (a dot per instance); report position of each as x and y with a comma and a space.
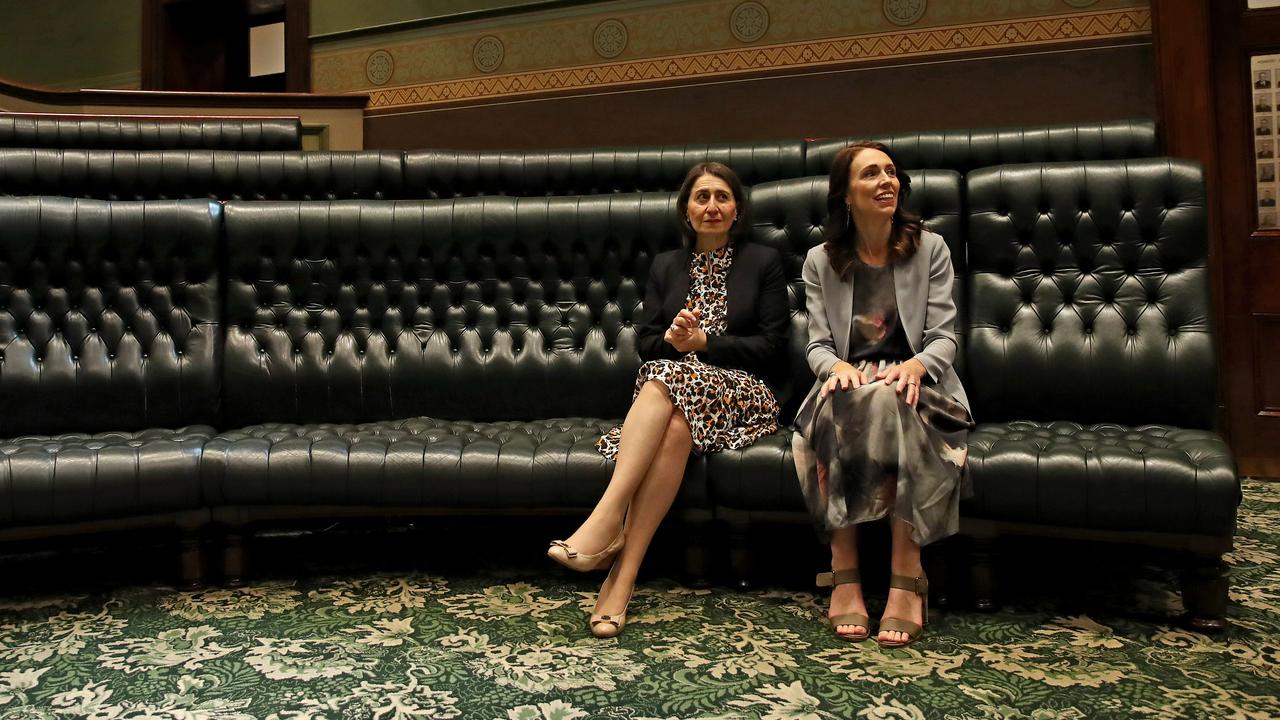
521, 308
589, 171
108, 314
965, 150
108, 321
350, 325
213, 174
419, 462
77, 477
1152, 478
1089, 303
149, 133
1088, 293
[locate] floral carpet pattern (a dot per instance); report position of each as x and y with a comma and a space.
419, 646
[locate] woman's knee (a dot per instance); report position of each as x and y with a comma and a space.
884, 397
678, 434
654, 390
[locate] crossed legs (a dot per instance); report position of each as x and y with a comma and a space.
652, 455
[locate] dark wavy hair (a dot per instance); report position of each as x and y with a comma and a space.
738, 230
840, 235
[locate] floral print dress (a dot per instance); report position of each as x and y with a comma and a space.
726, 409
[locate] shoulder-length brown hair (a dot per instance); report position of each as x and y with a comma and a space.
738, 230
840, 235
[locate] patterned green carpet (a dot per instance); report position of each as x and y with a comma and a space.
388, 646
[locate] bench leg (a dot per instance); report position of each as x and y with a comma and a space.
233, 557
1204, 593
741, 563
697, 552
982, 574
936, 560
191, 559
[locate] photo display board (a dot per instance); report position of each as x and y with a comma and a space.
1264, 76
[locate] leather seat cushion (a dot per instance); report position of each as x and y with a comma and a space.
1152, 478
760, 477
416, 462
50, 479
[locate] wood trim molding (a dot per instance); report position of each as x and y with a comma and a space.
159, 98
138, 116
533, 6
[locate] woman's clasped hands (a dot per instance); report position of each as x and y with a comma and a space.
685, 334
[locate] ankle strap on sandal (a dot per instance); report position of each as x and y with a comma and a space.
918, 585
838, 577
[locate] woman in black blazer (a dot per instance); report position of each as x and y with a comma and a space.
712, 334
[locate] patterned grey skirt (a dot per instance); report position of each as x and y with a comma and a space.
865, 453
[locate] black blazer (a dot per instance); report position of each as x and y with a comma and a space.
758, 316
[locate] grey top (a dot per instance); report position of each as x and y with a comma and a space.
876, 332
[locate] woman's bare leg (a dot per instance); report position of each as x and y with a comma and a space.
905, 560
649, 506
845, 598
642, 437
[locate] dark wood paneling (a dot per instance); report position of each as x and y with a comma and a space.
1236, 34
297, 46
1076, 86
1264, 273
1184, 82
203, 46
152, 48
1267, 364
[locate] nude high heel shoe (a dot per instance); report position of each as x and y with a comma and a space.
566, 555
609, 626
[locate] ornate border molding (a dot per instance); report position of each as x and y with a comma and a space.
1075, 28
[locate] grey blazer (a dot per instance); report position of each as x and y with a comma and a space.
922, 286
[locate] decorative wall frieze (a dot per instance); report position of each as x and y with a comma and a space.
906, 44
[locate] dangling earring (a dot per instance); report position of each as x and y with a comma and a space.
848, 215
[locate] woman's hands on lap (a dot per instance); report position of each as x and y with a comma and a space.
843, 376
685, 335
907, 376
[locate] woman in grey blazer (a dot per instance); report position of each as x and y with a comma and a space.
883, 431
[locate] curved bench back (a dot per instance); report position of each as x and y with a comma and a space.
212, 174
149, 133
1088, 293
477, 308
965, 150
589, 171
108, 315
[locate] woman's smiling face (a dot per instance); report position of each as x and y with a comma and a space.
873, 184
